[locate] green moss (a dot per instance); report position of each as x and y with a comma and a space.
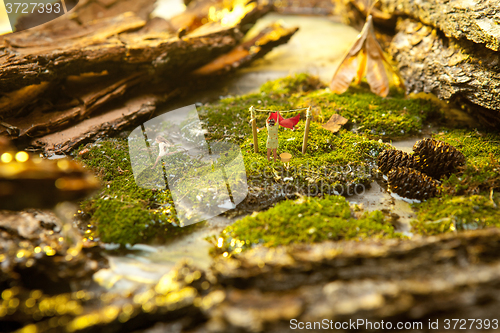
123, 212
306, 220
469, 200
374, 116
369, 114
292, 84
451, 213
333, 163
482, 172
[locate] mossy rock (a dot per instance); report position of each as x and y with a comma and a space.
306, 220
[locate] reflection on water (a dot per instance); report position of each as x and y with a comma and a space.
144, 265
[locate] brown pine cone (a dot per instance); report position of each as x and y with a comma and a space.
392, 158
412, 184
437, 158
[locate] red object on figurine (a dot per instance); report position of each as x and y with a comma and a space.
288, 122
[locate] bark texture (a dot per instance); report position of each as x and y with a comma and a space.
262, 290
111, 72
475, 20
449, 48
451, 69
28, 58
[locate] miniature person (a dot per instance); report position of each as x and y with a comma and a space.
272, 137
164, 147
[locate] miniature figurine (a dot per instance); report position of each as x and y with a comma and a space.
164, 147
272, 137
272, 130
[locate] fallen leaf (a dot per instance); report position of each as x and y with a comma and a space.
365, 56
335, 123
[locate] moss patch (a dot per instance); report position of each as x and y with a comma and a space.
123, 212
341, 163
451, 213
371, 115
292, 85
482, 172
306, 220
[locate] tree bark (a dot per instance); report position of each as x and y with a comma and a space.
475, 20
449, 48
456, 70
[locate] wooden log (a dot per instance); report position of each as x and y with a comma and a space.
125, 51
105, 45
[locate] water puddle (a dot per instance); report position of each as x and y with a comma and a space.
376, 196
144, 265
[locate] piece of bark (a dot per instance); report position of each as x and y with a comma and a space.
36, 234
455, 275
448, 276
82, 96
78, 97
265, 268
114, 118
133, 111
475, 20
103, 45
16, 100
449, 68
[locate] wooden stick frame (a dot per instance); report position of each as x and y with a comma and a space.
254, 130
306, 130
254, 126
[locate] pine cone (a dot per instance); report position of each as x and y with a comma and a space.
437, 158
412, 184
391, 158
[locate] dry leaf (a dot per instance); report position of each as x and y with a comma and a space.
335, 123
365, 56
